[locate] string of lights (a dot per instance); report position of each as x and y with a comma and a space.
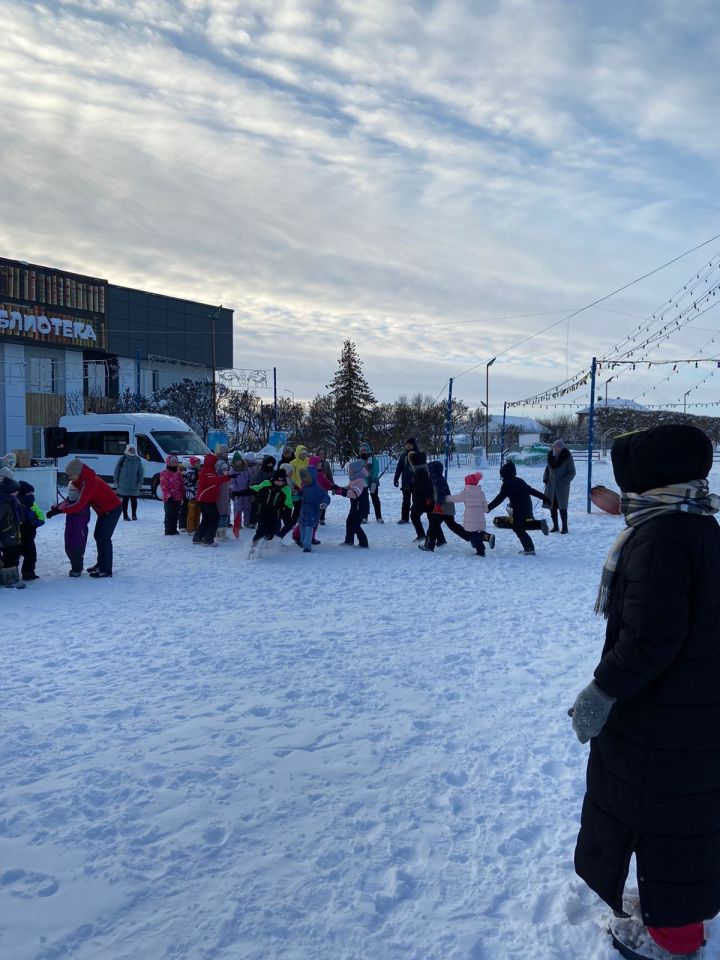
648, 335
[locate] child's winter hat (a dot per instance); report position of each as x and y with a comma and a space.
268, 462
287, 468
315, 461
9, 486
131, 450
25, 488
279, 475
171, 460
73, 493
473, 479
221, 450
237, 457
417, 458
222, 467
249, 457
194, 461
74, 468
355, 469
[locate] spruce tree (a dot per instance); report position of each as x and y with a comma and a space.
352, 402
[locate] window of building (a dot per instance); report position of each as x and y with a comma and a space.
96, 378
155, 380
43, 375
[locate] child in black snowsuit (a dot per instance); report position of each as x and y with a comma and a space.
273, 498
10, 521
518, 493
32, 518
423, 497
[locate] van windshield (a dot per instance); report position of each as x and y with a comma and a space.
183, 442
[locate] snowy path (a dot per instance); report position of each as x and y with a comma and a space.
352, 755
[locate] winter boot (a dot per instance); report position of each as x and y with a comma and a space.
555, 528
11, 578
544, 527
632, 940
478, 544
563, 519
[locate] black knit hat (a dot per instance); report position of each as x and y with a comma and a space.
8, 486
279, 475
412, 440
673, 453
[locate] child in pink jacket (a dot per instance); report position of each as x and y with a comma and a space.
173, 493
475, 510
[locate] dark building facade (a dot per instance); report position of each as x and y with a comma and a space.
67, 338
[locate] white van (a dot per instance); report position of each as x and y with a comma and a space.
99, 439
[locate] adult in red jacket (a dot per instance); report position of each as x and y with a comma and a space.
208, 491
95, 493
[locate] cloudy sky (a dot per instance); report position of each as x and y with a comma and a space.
434, 179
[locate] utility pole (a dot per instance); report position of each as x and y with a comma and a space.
591, 419
138, 390
448, 426
275, 418
213, 317
487, 403
502, 435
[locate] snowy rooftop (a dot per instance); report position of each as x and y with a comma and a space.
616, 402
526, 424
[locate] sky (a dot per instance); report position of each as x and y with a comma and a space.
435, 180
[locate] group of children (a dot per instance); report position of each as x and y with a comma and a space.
227, 492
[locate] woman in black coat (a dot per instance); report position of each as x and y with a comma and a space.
653, 709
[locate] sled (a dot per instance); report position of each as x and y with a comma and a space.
606, 499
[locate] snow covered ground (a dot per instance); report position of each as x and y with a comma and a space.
348, 755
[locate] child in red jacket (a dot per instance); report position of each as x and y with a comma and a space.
208, 491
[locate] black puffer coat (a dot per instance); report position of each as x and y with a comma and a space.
653, 777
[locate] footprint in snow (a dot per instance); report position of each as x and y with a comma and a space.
27, 884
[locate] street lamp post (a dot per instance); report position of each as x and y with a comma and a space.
606, 386
213, 317
487, 403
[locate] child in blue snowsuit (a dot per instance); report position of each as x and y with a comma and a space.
313, 498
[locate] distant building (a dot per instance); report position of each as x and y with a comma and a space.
66, 339
519, 432
612, 403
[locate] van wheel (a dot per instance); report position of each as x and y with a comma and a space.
155, 488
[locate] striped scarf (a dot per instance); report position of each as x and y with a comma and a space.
638, 508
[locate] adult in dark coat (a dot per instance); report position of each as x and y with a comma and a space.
559, 474
404, 479
652, 713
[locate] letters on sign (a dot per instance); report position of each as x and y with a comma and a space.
29, 323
